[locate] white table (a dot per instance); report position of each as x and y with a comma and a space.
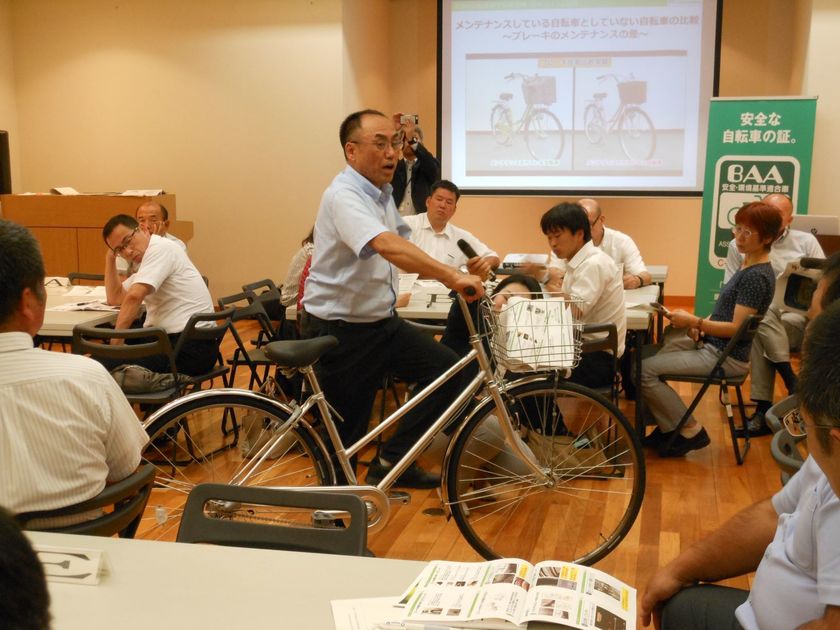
61, 323
171, 585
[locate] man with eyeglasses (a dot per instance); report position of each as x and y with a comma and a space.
416, 171
434, 233
66, 428
780, 331
169, 285
155, 218
360, 243
789, 540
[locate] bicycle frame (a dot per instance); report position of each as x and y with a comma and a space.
343, 454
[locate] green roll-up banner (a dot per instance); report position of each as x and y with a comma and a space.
755, 147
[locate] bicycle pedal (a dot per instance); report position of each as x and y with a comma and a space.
398, 496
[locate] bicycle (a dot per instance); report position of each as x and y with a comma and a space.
539, 467
543, 131
637, 134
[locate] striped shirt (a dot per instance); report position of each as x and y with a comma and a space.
65, 427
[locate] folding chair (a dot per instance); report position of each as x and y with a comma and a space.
716, 376
247, 309
607, 343
210, 327
266, 293
784, 447
127, 496
206, 519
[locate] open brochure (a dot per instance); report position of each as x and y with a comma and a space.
508, 593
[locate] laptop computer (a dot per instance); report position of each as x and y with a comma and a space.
816, 223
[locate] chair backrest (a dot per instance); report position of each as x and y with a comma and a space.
216, 325
745, 332
201, 526
146, 342
773, 416
128, 498
266, 293
604, 343
785, 452
76, 277
245, 307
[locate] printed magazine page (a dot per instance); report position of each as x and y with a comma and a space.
488, 594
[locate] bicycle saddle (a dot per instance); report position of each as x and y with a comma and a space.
506, 96
299, 353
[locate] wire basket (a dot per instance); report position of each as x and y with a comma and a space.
632, 92
530, 335
540, 90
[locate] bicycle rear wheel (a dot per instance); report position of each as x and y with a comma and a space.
593, 124
501, 125
544, 135
637, 135
227, 436
590, 453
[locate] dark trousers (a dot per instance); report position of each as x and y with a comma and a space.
703, 607
594, 370
352, 372
196, 357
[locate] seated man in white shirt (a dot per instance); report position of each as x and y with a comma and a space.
592, 276
66, 428
779, 331
432, 232
168, 284
154, 217
617, 245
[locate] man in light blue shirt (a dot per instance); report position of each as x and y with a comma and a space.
351, 291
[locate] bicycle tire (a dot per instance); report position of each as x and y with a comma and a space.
209, 436
501, 125
596, 468
544, 135
593, 124
637, 134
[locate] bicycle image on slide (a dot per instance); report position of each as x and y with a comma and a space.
542, 130
636, 133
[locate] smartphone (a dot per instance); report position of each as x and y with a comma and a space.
659, 307
407, 118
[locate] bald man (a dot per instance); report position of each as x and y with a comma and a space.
779, 331
617, 245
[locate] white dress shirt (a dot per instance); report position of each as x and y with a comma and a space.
618, 246
65, 427
443, 246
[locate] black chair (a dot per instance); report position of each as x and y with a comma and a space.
76, 277
604, 343
128, 498
209, 327
202, 522
716, 376
266, 293
247, 309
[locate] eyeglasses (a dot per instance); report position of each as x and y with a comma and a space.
738, 230
380, 145
796, 426
119, 249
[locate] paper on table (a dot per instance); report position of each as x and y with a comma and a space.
407, 281
143, 192
85, 305
71, 565
365, 614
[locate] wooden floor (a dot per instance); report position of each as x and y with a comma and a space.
685, 499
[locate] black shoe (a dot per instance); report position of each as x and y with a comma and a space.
656, 438
756, 426
683, 445
414, 477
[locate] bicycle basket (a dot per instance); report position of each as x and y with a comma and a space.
531, 335
632, 92
540, 90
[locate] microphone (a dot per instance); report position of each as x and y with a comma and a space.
469, 252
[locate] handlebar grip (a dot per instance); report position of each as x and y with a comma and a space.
469, 291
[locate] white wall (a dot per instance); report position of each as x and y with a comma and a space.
234, 107
821, 80
8, 107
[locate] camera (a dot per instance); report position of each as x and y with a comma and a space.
407, 118
796, 284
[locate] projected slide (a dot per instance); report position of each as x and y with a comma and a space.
600, 95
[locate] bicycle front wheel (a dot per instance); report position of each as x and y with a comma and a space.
544, 135
227, 436
637, 135
586, 447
